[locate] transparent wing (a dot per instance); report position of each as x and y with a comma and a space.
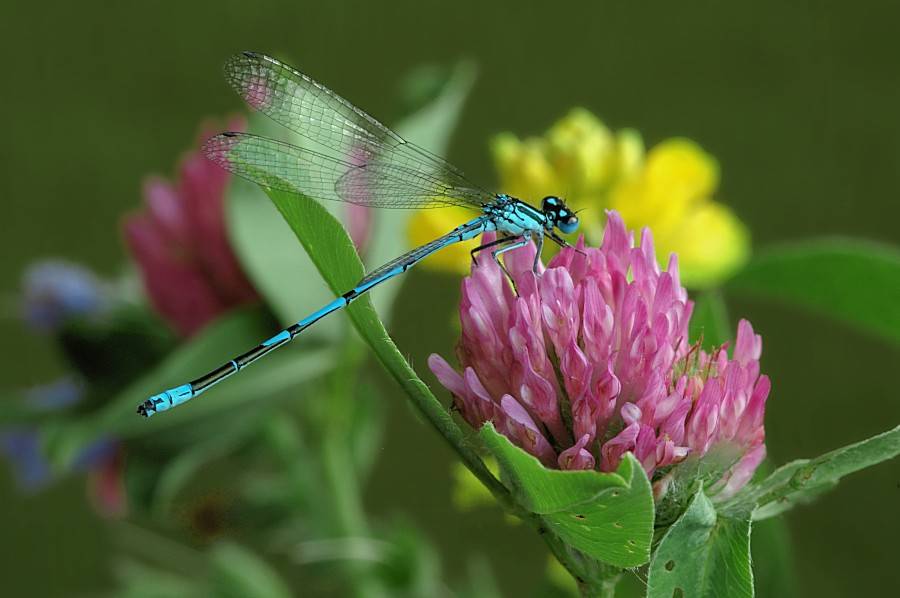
340, 130
288, 168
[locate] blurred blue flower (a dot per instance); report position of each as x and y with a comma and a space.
22, 448
55, 291
101, 459
58, 394
22, 445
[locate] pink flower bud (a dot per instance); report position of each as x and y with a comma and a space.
576, 457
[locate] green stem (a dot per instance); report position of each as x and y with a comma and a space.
608, 587
340, 471
150, 545
594, 578
592, 581
435, 412
327, 232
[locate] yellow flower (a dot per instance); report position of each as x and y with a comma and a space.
668, 189
427, 225
578, 158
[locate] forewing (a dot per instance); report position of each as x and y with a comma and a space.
336, 127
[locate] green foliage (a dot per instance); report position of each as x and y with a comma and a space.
709, 321
238, 573
856, 282
66, 437
111, 351
278, 268
607, 516
138, 580
801, 481
180, 470
703, 555
333, 254
772, 556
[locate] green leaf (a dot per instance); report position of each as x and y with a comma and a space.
607, 516
138, 580
854, 281
801, 481
214, 346
331, 250
432, 125
772, 555
703, 554
278, 268
239, 573
709, 320
267, 247
184, 466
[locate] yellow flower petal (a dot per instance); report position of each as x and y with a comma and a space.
680, 167
711, 243
676, 174
582, 150
524, 168
630, 152
427, 225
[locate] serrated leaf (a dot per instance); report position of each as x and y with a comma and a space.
607, 516
801, 481
854, 281
239, 573
702, 555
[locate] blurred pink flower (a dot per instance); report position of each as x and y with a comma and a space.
181, 246
591, 360
359, 225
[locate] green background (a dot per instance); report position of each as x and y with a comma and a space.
798, 102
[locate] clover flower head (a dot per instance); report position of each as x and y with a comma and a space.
589, 359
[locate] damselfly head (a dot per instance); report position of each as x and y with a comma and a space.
559, 215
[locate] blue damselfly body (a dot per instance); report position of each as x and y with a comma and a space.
353, 158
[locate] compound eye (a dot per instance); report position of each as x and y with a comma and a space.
568, 225
549, 203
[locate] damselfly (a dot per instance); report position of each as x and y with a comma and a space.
355, 159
